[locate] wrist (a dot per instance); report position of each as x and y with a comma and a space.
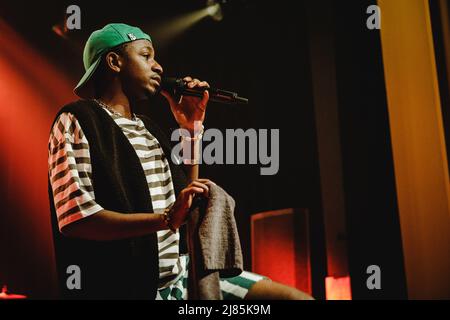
192, 133
168, 220
190, 144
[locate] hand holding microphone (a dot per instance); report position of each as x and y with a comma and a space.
178, 87
189, 97
187, 109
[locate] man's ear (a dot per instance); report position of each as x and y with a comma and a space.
114, 61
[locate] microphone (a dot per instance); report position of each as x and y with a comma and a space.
178, 87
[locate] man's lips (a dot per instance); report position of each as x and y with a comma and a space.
157, 79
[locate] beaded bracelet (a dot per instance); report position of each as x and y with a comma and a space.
193, 145
189, 138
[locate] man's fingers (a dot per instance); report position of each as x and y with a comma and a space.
171, 100
193, 83
194, 190
203, 186
197, 83
204, 180
199, 184
205, 99
168, 96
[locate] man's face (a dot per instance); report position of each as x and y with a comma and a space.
140, 73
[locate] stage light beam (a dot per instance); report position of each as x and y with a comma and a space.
165, 31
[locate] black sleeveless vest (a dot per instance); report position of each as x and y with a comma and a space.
120, 269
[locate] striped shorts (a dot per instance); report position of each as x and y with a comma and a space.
234, 288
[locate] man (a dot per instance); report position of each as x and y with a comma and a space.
118, 203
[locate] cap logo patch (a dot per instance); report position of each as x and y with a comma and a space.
131, 36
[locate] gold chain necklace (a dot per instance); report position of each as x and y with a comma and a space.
104, 105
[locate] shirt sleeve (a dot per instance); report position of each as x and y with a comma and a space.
70, 172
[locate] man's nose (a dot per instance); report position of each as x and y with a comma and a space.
157, 68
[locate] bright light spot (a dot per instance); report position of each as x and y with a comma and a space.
214, 10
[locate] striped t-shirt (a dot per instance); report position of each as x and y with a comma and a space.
70, 176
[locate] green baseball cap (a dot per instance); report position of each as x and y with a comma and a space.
98, 44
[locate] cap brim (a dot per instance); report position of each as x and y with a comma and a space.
85, 88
